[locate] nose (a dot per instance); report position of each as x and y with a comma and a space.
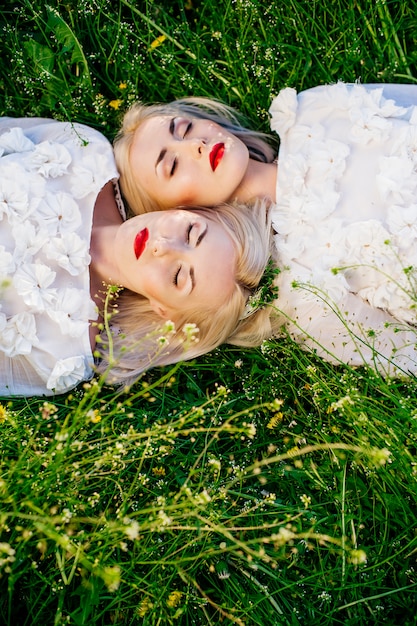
163, 246
194, 147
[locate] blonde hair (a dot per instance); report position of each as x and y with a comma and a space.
137, 344
262, 147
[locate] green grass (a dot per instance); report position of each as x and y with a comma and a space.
258, 487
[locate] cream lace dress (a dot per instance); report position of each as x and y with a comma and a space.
50, 175
346, 222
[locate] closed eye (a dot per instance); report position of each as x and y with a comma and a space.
188, 128
173, 167
175, 279
189, 229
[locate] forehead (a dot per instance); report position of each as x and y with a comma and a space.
151, 128
217, 267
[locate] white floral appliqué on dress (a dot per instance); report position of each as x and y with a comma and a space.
50, 175
346, 222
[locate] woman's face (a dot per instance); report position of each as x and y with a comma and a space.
187, 161
178, 259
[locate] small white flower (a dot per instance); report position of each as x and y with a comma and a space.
132, 530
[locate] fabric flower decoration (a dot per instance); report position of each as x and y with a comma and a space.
70, 252
28, 241
33, 283
50, 159
15, 141
87, 176
18, 335
66, 374
72, 311
402, 222
58, 212
395, 179
7, 265
283, 110
14, 201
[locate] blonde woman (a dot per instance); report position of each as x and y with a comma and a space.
64, 238
343, 187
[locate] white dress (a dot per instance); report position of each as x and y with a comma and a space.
50, 175
346, 222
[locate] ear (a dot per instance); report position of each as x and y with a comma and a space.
159, 309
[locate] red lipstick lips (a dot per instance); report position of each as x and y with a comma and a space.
216, 155
140, 242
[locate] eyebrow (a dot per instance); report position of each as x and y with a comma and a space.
200, 239
164, 150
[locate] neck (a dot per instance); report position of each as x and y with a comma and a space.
106, 221
259, 182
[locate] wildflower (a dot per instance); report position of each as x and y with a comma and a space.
144, 606
122, 85
238, 363
132, 529
3, 414
115, 104
157, 42
251, 430
380, 457
283, 536
340, 404
94, 416
275, 420
174, 599
66, 516
215, 464
158, 471
168, 328
276, 404
111, 577
163, 518
358, 557
47, 409
190, 331
203, 497
306, 500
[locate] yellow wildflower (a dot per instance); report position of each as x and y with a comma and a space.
275, 420
157, 42
94, 416
115, 104
158, 471
122, 85
174, 599
3, 414
144, 607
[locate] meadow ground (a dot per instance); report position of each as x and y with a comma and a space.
258, 487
